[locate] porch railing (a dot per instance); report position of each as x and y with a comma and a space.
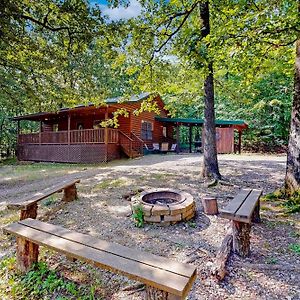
85, 136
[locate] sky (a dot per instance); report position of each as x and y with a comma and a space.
115, 14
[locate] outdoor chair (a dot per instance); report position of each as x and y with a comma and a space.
173, 148
164, 147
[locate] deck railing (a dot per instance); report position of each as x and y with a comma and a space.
85, 136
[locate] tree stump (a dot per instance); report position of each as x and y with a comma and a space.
155, 294
256, 214
210, 205
70, 193
241, 238
29, 212
27, 254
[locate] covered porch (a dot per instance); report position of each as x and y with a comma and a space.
225, 133
74, 136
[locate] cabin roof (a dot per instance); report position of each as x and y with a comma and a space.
240, 124
133, 98
81, 108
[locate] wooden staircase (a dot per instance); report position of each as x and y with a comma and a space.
131, 146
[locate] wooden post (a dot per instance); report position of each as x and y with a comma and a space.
177, 139
18, 131
256, 213
155, 294
70, 193
40, 133
241, 238
240, 142
190, 137
69, 128
210, 205
29, 212
106, 135
27, 254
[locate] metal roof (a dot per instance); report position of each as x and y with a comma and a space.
134, 98
188, 121
38, 116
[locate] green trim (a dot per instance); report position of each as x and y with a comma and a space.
199, 121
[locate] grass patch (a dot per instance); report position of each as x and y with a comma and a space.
138, 216
108, 183
295, 248
50, 200
271, 260
290, 203
41, 283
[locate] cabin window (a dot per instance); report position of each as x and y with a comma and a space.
146, 132
164, 131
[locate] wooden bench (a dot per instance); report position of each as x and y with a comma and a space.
242, 210
164, 278
28, 204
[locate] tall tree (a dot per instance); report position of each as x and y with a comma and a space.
180, 30
210, 161
292, 179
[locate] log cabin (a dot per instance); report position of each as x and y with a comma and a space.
76, 135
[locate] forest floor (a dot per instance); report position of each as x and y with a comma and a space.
271, 272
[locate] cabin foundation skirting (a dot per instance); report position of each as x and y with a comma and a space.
80, 153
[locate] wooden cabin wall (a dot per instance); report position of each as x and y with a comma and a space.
133, 123
225, 140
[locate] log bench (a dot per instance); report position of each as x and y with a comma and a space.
28, 204
242, 210
164, 279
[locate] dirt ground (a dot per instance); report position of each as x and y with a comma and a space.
271, 272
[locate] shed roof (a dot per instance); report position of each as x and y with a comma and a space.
190, 121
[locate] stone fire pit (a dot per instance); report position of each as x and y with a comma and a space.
165, 206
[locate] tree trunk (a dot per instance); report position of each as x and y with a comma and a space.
27, 254
241, 238
155, 294
292, 178
30, 212
70, 193
210, 166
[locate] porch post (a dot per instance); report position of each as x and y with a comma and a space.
40, 133
240, 142
190, 137
69, 126
18, 131
177, 138
106, 135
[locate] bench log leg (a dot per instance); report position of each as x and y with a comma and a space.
155, 294
241, 238
30, 212
27, 254
256, 214
70, 193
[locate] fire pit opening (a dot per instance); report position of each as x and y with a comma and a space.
163, 198
165, 206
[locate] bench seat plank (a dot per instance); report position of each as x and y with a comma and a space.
25, 202
234, 204
116, 249
149, 274
244, 213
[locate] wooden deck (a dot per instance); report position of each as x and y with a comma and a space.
77, 146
